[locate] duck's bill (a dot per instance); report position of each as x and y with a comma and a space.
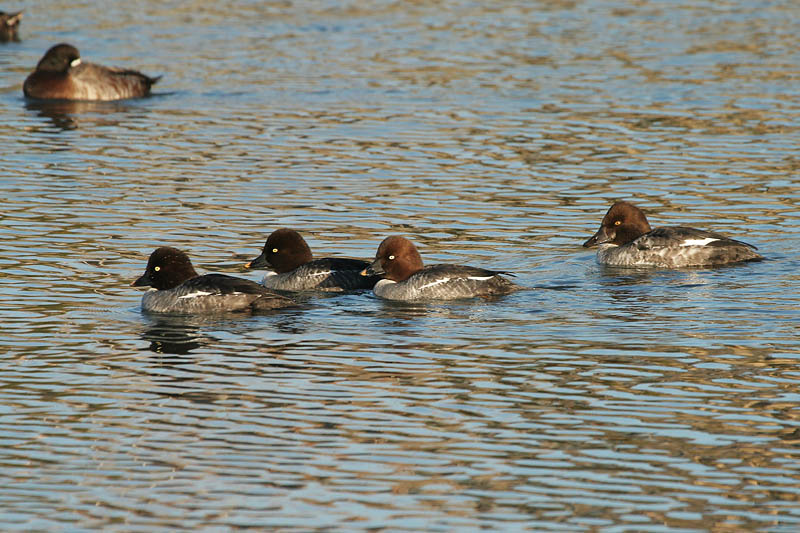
600, 237
375, 269
142, 281
259, 262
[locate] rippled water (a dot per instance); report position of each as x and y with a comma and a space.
494, 135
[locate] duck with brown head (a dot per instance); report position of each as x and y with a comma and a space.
9, 26
294, 269
405, 278
62, 75
179, 289
626, 239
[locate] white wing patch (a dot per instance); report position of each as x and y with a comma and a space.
698, 242
194, 295
480, 278
433, 283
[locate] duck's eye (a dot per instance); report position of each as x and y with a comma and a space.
157, 269
274, 250
618, 222
391, 258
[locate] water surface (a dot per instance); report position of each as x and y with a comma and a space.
494, 135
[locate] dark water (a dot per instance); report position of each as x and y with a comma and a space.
495, 135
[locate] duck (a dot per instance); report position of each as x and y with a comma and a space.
625, 238
405, 278
9, 26
178, 289
294, 269
62, 75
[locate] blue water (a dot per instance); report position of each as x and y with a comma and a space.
494, 135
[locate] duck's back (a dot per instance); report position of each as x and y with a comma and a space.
88, 81
212, 293
679, 246
330, 274
446, 282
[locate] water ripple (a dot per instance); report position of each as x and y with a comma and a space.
495, 135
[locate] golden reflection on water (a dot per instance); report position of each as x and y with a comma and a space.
494, 135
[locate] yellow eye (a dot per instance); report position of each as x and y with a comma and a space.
274, 250
391, 258
157, 269
618, 222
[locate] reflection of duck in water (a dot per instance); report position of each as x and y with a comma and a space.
180, 290
61, 75
9, 26
65, 113
174, 335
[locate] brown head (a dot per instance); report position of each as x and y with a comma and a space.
397, 259
623, 223
166, 269
60, 58
284, 251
